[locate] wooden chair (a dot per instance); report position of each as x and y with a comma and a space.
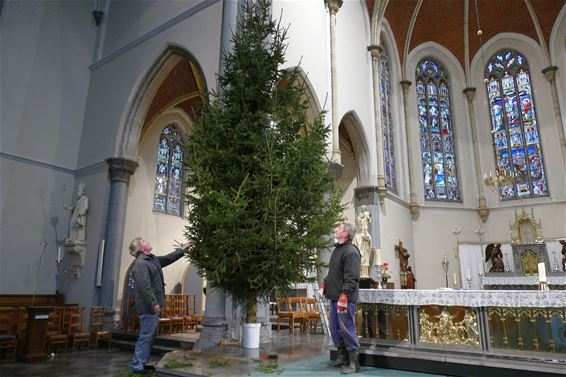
8, 339
191, 319
289, 309
176, 313
312, 313
75, 329
97, 330
55, 334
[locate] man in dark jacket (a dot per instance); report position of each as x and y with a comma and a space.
341, 287
150, 296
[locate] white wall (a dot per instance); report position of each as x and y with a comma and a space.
130, 19
161, 230
45, 52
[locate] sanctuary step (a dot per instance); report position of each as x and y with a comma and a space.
162, 344
457, 363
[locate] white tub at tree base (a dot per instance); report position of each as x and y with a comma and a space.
250, 338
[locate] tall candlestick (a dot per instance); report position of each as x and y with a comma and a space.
59, 254
455, 280
541, 272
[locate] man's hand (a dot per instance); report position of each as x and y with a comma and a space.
157, 309
342, 305
187, 245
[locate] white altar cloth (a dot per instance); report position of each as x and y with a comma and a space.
483, 298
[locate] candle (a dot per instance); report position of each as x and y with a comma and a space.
59, 254
455, 280
378, 256
541, 272
468, 275
480, 269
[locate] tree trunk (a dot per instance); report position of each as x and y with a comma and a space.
251, 309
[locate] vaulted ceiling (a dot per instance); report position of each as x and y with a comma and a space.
444, 21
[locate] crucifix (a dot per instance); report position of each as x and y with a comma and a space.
403, 263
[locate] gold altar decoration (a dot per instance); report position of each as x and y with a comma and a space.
525, 229
527, 329
383, 321
448, 325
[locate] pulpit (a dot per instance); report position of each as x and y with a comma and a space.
33, 343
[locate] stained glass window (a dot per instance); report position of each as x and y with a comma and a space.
169, 172
386, 123
514, 125
438, 151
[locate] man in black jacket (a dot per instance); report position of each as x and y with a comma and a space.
150, 296
341, 287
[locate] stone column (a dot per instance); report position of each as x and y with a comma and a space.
413, 206
334, 7
119, 171
550, 74
376, 52
214, 324
483, 211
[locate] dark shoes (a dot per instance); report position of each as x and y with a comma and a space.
341, 359
354, 364
149, 367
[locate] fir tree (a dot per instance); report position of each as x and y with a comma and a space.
258, 209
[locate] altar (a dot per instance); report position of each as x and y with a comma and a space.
520, 330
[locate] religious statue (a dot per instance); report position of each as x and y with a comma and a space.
363, 239
411, 280
493, 252
563, 243
77, 225
403, 264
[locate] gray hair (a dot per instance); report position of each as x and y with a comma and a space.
350, 229
135, 246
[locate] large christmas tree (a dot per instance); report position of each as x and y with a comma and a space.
258, 205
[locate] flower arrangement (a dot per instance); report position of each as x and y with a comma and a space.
385, 271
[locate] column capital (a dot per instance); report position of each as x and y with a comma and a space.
550, 72
367, 195
405, 84
470, 93
120, 169
375, 51
333, 5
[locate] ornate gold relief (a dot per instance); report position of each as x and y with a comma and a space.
525, 229
448, 326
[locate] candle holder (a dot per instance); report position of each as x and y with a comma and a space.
501, 178
445, 265
543, 286
379, 272
469, 281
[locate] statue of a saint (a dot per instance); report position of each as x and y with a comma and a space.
77, 225
363, 239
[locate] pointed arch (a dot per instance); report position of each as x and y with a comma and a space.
144, 92
353, 130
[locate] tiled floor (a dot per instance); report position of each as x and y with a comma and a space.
298, 355
100, 363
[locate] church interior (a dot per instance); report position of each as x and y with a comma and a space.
448, 138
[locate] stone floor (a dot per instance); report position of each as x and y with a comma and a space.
298, 355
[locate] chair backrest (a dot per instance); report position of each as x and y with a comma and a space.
297, 304
97, 318
55, 320
74, 316
7, 320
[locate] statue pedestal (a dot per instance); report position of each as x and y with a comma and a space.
76, 252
